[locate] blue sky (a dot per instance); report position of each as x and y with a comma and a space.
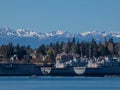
68, 15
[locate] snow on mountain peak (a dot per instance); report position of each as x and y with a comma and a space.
26, 33
89, 32
116, 34
59, 32
84, 33
20, 32
25, 37
54, 33
94, 33
10, 33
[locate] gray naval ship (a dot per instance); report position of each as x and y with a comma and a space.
102, 66
66, 65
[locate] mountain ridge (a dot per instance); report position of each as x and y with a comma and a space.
34, 39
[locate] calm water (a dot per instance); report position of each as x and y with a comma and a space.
60, 83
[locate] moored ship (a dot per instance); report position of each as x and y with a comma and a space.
91, 67
70, 66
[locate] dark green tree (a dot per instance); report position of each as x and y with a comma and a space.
42, 49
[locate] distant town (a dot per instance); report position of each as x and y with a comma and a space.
48, 54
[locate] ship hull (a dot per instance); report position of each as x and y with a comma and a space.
103, 71
19, 70
86, 71
38, 70
68, 71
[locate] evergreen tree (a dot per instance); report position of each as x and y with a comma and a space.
42, 49
78, 46
94, 48
21, 52
10, 50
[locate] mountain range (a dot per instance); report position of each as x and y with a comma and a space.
34, 39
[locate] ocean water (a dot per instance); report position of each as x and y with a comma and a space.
59, 83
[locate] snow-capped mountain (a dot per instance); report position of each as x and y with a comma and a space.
34, 39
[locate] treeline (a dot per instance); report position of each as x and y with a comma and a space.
47, 53
107, 48
13, 51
